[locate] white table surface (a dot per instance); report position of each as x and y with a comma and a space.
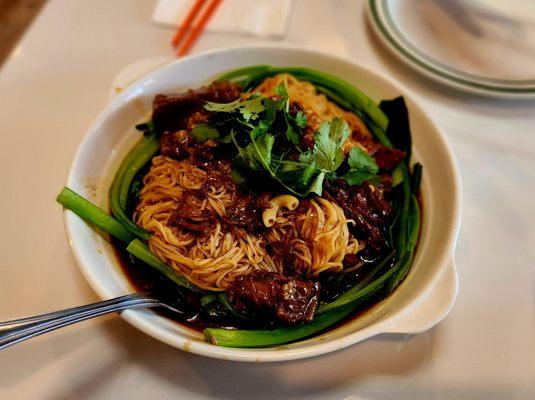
56, 82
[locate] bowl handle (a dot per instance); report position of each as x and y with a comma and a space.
435, 307
131, 72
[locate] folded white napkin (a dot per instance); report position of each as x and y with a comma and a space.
258, 17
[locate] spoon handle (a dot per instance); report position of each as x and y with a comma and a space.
18, 330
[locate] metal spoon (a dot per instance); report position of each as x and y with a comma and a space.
17, 330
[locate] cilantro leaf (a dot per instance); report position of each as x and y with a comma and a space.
282, 91
202, 132
355, 177
268, 118
292, 134
249, 108
317, 184
237, 176
257, 154
296, 173
362, 167
300, 119
294, 126
359, 159
264, 146
223, 107
329, 140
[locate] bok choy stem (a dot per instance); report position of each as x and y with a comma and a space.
134, 161
93, 214
271, 337
140, 250
96, 216
359, 292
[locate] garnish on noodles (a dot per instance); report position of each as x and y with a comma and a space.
274, 201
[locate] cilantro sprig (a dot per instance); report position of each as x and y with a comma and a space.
267, 138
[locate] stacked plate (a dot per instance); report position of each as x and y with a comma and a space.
479, 46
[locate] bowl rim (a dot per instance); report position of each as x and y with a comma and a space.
139, 320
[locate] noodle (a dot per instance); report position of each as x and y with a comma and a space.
211, 261
320, 234
213, 258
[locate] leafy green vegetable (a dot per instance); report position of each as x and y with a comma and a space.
359, 159
93, 214
252, 108
292, 134
362, 290
262, 338
202, 132
140, 250
138, 157
237, 176
300, 119
327, 152
362, 167
282, 91
296, 173
325, 158
147, 128
398, 130
416, 178
317, 184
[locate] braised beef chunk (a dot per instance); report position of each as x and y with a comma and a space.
290, 300
174, 145
388, 158
245, 214
351, 260
367, 206
218, 175
180, 145
262, 201
191, 217
175, 112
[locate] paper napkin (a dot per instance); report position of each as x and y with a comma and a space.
258, 17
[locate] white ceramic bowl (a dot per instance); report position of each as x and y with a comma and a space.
422, 300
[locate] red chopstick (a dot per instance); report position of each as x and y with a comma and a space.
197, 29
184, 26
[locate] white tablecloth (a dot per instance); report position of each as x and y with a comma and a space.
57, 81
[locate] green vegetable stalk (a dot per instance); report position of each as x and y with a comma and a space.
93, 214
413, 233
272, 337
96, 216
140, 250
138, 157
362, 290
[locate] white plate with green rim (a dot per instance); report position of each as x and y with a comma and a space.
485, 47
